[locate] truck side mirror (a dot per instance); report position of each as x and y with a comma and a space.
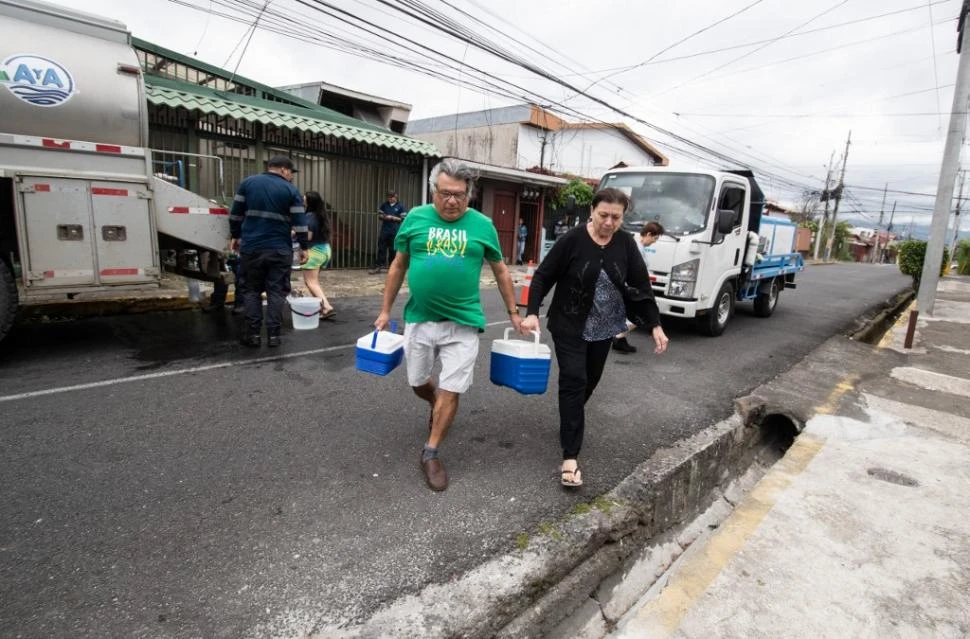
726, 221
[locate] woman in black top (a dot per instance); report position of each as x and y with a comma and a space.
601, 280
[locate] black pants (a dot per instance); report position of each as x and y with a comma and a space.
580, 368
265, 271
385, 249
220, 289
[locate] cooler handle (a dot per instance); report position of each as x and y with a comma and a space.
535, 343
373, 341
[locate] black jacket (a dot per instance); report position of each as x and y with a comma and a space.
573, 265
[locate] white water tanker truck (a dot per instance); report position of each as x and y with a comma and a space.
81, 211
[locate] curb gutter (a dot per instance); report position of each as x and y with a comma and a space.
884, 319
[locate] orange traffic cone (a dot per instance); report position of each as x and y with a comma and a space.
526, 283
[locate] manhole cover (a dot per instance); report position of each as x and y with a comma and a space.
892, 477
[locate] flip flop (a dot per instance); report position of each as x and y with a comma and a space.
328, 314
571, 478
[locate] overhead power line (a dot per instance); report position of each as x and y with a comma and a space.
755, 50
368, 39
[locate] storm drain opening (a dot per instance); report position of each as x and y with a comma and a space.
777, 433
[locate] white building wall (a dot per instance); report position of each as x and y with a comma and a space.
585, 152
488, 145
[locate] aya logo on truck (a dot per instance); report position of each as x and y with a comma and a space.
37, 80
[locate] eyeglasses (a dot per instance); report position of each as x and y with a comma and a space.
452, 195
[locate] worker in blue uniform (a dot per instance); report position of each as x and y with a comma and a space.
391, 213
266, 211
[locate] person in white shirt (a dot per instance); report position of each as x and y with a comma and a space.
649, 234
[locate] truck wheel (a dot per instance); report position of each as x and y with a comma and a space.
8, 299
765, 303
716, 320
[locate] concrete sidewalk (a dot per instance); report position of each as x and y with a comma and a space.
861, 530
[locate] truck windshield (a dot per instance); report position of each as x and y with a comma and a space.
679, 201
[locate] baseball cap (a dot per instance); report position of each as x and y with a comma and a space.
282, 162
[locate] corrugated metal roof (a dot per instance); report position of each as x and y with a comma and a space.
173, 93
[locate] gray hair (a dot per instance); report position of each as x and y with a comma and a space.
455, 169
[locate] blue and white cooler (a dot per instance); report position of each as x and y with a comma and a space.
521, 365
379, 352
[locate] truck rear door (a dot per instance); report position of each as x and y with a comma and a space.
86, 232
57, 220
123, 234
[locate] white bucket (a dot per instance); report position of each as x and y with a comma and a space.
305, 311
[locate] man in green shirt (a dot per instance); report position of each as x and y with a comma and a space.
441, 247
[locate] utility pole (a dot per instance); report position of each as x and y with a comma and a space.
889, 227
956, 215
825, 215
838, 198
882, 207
926, 296
882, 210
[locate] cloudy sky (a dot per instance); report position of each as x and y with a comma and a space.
773, 84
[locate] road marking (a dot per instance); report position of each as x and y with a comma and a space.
182, 371
949, 424
660, 617
831, 402
932, 381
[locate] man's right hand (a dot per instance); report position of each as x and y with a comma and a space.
382, 321
234, 245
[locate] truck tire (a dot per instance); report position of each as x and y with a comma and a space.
765, 303
714, 323
8, 299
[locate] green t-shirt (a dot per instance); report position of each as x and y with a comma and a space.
446, 265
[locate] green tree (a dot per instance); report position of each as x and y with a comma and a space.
962, 255
912, 254
840, 247
576, 187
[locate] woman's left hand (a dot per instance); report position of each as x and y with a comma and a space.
529, 325
659, 339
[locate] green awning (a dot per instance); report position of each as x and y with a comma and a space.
172, 93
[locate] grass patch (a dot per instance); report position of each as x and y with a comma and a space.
550, 530
522, 541
603, 504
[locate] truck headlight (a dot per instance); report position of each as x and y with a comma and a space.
683, 277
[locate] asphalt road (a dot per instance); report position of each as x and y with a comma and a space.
187, 487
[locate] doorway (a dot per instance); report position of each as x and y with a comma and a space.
504, 217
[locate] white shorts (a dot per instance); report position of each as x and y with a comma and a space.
454, 344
